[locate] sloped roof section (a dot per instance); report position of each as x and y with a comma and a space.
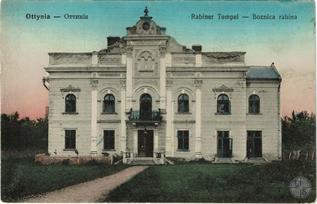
263, 73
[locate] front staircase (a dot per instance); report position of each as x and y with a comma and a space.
145, 161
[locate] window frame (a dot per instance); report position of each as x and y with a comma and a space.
112, 140
72, 145
109, 102
221, 136
70, 104
219, 102
257, 103
183, 103
251, 137
183, 149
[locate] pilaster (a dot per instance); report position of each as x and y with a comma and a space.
123, 137
129, 77
156, 140
162, 78
94, 103
198, 84
169, 120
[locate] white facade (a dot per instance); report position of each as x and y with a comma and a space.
148, 71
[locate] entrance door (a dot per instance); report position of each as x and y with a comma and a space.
254, 144
145, 143
224, 144
145, 107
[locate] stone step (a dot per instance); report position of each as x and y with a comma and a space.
142, 162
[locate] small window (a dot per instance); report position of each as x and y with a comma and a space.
108, 139
183, 140
70, 103
70, 139
183, 103
254, 104
223, 104
109, 104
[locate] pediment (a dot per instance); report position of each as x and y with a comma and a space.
70, 88
222, 88
146, 26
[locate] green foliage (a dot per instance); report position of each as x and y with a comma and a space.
22, 177
215, 183
21, 134
299, 131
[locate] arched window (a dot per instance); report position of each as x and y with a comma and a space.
109, 104
223, 104
254, 104
70, 103
145, 107
183, 103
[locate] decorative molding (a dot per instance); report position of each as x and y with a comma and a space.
94, 83
70, 88
123, 83
169, 82
162, 50
129, 50
198, 83
222, 88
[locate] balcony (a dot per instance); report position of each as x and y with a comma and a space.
145, 118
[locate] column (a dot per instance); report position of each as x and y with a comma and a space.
135, 141
129, 78
198, 84
162, 78
94, 103
123, 137
156, 140
169, 120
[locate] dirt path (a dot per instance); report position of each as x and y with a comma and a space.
89, 191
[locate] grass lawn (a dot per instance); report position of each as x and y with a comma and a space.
215, 183
21, 177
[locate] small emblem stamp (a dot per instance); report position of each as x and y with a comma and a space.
300, 187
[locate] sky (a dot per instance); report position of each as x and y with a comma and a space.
290, 44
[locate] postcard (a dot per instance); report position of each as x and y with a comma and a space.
158, 101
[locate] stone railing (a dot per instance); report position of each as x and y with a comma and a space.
222, 57
183, 59
70, 58
109, 59
85, 58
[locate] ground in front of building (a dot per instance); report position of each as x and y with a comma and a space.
216, 183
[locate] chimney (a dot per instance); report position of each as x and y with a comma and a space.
112, 40
197, 48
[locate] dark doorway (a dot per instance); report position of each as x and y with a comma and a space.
145, 143
145, 107
254, 144
224, 144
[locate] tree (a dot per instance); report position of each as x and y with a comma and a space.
299, 131
22, 134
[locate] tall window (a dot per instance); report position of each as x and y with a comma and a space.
70, 139
183, 140
70, 103
254, 144
254, 104
224, 144
223, 104
108, 139
109, 104
145, 107
183, 103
